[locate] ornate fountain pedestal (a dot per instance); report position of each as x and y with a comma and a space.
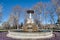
30, 25
30, 30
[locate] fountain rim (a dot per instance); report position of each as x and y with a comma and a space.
30, 35
20, 30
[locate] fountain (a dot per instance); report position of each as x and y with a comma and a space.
30, 30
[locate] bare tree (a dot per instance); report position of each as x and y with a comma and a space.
0, 13
46, 11
11, 19
17, 11
6, 25
15, 16
38, 8
57, 5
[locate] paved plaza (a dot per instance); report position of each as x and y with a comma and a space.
4, 37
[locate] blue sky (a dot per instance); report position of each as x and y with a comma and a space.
9, 4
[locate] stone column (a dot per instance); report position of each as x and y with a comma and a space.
30, 16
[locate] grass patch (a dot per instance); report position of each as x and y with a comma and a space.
3, 30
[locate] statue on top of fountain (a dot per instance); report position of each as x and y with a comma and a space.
30, 24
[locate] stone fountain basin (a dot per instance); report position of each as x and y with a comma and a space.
19, 34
